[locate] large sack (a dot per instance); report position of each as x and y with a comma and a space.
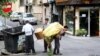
39, 33
52, 29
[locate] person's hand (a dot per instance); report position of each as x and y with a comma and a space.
63, 34
49, 45
58, 35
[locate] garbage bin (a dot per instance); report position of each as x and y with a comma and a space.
11, 38
1, 36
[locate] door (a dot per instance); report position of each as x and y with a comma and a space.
70, 21
84, 20
89, 20
94, 22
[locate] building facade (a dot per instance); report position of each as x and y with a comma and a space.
46, 10
16, 7
50, 10
81, 14
37, 9
28, 6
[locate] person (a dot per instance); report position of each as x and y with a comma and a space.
57, 39
44, 26
46, 23
29, 41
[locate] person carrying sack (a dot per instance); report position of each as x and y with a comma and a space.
57, 39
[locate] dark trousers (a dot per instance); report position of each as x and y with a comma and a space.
45, 45
57, 45
29, 44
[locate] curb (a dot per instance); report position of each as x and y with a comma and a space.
77, 37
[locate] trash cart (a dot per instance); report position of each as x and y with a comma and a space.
11, 38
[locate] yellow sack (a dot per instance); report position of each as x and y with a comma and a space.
52, 29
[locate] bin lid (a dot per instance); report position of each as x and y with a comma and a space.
14, 31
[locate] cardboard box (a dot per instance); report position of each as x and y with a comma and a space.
39, 33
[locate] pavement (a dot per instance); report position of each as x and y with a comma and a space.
70, 46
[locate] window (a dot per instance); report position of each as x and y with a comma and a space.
69, 20
29, 15
19, 13
22, 2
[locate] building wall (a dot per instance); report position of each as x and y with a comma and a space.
46, 13
99, 21
17, 8
44, 1
30, 1
37, 11
77, 19
22, 9
64, 22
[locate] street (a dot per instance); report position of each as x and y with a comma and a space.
81, 46
9, 23
78, 20
69, 47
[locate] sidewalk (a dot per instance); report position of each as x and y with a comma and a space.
80, 37
77, 37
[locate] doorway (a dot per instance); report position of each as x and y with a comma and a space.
28, 9
89, 20
84, 20
94, 22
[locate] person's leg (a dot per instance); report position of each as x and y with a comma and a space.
27, 48
54, 52
55, 48
32, 44
45, 46
50, 49
58, 50
58, 46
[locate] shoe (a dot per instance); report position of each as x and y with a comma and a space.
44, 51
33, 53
59, 54
54, 53
27, 53
2, 53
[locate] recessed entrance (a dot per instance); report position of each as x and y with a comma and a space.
84, 20
89, 20
94, 22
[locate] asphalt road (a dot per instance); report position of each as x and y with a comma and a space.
9, 23
69, 47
